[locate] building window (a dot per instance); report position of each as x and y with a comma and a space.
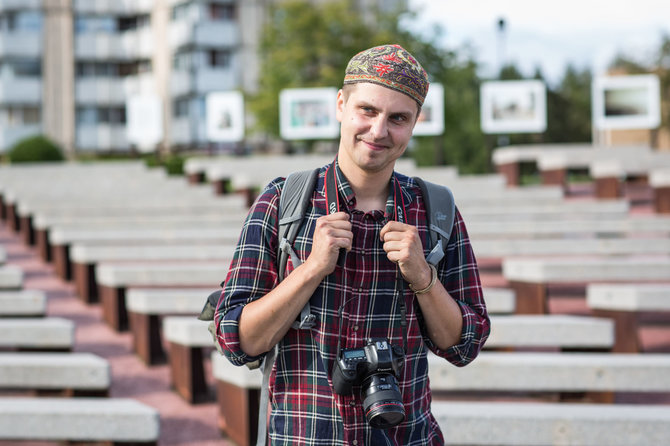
100, 115
22, 68
95, 24
185, 11
133, 23
219, 58
182, 61
97, 69
217, 11
134, 68
21, 21
18, 116
180, 108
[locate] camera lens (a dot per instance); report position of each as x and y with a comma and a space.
382, 401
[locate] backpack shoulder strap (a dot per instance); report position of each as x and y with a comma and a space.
441, 210
293, 202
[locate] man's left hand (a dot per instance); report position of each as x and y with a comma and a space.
403, 246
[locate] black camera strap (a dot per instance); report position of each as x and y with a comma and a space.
333, 202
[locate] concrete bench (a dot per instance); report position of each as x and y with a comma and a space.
43, 222
85, 256
561, 331
572, 225
146, 306
114, 279
610, 174
23, 303
508, 159
505, 247
623, 302
60, 240
70, 374
554, 160
499, 300
530, 277
659, 180
610, 209
145, 200
11, 277
188, 339
239, 384
51, 333
91, 420
599, 375
555, 165
548, 424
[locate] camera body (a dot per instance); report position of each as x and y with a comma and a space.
375, 367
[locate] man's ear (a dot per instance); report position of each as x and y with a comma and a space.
339, 104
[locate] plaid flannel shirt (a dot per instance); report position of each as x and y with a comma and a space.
305, 410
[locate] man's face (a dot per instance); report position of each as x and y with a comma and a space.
376, 125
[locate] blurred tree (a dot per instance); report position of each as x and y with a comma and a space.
569, 108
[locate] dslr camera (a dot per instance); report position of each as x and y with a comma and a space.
375, 368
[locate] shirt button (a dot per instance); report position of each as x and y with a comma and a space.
355, 328
352, 403
355, 442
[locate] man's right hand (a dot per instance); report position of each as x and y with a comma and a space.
332, 233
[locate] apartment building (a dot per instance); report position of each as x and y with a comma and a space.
68, 67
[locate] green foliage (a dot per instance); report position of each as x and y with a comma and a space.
569, 108
36, 148
173, 164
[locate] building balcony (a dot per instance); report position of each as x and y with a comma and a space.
101, 138
20, 90
139, 84
202, 81
222, 34
23, 44
11, 135
19, 5
100, 91
130, 45
116, 7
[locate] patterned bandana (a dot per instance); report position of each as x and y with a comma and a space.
390, 66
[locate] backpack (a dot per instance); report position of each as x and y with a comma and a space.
293, 202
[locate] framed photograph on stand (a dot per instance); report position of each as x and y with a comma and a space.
626, 102
431, 119
513, 107
308, 113
225, 116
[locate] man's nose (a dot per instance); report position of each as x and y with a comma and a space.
379, 128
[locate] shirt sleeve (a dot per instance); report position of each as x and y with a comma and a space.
252, 273
459, 274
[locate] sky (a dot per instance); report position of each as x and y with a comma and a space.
548, 34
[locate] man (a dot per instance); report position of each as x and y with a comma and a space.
381, 224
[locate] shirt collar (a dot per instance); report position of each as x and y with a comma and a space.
345, 191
